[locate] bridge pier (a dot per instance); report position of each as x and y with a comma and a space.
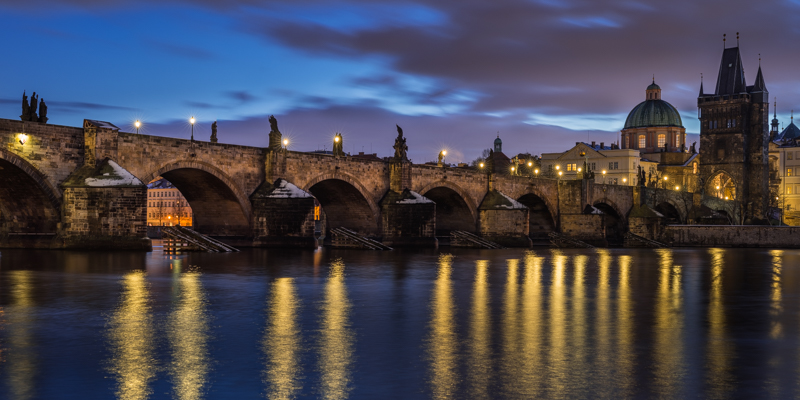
283, 216
503, 220
408, 219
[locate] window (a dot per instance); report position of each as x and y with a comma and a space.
642, 143
789, 156
677, 140
594, 167
661, 140
616, 165
729, 123
571, 167
550, 168
789, 172
789, 190
694, 168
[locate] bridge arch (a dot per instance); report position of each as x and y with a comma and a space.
542, 218
671, 212
345, 202
28, 202
613, 222
218, 204
455, 209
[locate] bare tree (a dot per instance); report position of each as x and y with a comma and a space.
180, 207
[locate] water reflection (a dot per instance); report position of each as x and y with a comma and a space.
532, 354
442, 343
337, 341
131, 336
577, 341
776, 296
670, 368
511, 331
188, 337
282, 341
558, 360
22, 363
720, 353
480, 367
625, 355
603, 324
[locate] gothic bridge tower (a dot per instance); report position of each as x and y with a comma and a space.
734, 137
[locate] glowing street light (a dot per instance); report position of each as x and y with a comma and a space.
624, 180
604, 177
558, 167
137, 124
481, 165
285, 143
530, 164
336, 139
23, 138
536, 171
677, 188
192, 121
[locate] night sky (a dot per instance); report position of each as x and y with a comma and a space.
543, 73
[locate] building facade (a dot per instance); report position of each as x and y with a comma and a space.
788, 156
653, 125
610, 164
166, 206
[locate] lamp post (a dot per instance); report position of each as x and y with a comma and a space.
137, 124
285, 144
604, 177
192, 121
666, 178
625, 181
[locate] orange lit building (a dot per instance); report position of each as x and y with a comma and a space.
166, 206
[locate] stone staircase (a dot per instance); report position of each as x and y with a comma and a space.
634, 240
345, 238
179, 238
562, 241
466, 239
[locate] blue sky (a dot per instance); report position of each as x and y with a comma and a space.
543, 74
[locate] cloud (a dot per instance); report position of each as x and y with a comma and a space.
81, 106
241, 96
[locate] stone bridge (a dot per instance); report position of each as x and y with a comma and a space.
266, 196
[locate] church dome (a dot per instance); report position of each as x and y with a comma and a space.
653, 86
653, 113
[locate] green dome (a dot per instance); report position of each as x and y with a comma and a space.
653, 86
498, 141
653, 113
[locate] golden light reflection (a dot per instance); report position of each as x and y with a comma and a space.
720, 353
776, 295
532, 360
480, 366
603, 326
442, 343
625, 357
670, 366
188, 337
578, 351
558, 360
282, 342
336, 343
131, 336
22, 366
511, 357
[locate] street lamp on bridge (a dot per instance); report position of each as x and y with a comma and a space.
192, 121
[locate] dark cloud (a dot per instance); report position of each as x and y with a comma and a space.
202, 105
182, 50
241, 96
80, 106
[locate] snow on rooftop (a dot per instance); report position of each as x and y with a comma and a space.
286, 190
118, 177
515, 205
418, 199
103, 124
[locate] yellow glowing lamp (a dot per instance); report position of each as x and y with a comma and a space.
665, 178
285, 142
560, 173
444, 152
604, 172
530, 164
23, 138
624, 180
192, 120
726, 197
536, 171
579, 169
512, 169
481, 165
558, 167
137, 124
717, 187
677, 188
336, 139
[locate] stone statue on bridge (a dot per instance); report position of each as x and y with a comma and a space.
400, 147
29, 110
274, 134
214, 132
694, 149
42, 112
25, 108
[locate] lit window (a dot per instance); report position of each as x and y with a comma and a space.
642, 143
661, 140
677, 140
789, 190
788, 172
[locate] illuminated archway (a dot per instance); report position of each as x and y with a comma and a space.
721, 185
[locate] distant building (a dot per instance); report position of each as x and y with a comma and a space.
166, 206
788, 155
655, 128
621, 166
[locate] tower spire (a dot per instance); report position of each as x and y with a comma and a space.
701, 84
737, 39
723, 40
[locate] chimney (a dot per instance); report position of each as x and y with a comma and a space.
601, 145
592, 143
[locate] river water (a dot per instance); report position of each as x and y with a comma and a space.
448, 323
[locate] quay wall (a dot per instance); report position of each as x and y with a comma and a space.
732, 236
